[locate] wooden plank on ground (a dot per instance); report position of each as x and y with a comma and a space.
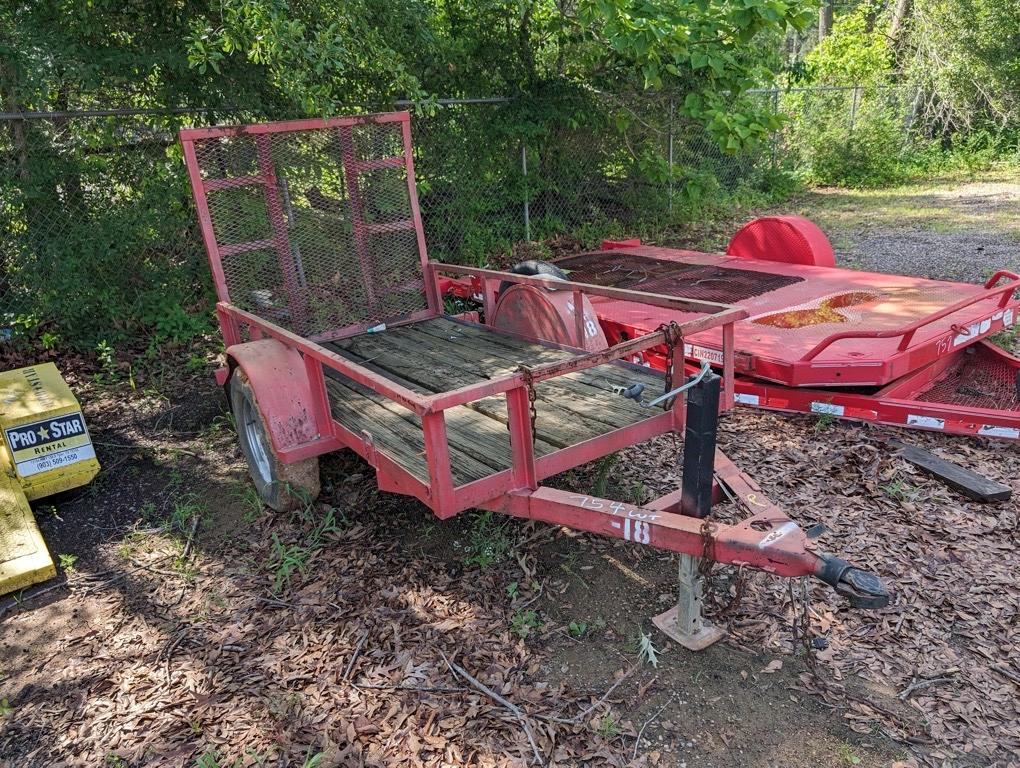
967, 482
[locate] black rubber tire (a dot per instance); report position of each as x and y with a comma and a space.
534, 267
282, 487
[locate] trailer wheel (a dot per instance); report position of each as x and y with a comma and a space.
534, 268
282, 487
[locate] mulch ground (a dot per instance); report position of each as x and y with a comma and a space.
370, 655
938, 668
335, 632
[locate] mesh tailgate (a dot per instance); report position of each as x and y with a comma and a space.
311, 225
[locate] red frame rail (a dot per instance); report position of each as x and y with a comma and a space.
908, 331
440, 494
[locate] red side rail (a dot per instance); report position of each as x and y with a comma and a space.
907, 332
439, 493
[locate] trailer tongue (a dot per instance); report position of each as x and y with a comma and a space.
336, 338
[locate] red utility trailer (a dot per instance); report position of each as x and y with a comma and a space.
336, 338
819, 339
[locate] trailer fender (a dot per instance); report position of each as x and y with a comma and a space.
278, 378
787, 239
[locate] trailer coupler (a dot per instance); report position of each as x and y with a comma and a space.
861, 588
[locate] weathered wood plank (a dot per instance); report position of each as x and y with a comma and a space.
516, 348
584, 399
968, 483
589, 393
397, 435
440, 355
480, 437
400, 359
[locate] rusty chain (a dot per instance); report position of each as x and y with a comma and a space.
672, 336
805, 622
529, 382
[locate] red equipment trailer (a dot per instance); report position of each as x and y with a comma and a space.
336, 338
818, 339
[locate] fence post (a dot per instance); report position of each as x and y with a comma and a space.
854, 103
527, 210
671, 155
775, 133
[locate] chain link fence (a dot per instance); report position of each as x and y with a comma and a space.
99, 243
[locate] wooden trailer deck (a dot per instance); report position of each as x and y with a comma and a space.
440, 355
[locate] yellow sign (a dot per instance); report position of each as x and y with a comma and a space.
49, 444
44, 442
44, 448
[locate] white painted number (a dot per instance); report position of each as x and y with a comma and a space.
636, 531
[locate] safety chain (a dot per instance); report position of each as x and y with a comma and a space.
801, 622
672, 336
705, 568
707, 540
529, 382
805, 622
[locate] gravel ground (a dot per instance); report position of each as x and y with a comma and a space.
956, 230
963, 256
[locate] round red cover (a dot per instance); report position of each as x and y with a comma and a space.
789, 239
548, 315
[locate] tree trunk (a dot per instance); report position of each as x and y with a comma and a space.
899, 17
824, 20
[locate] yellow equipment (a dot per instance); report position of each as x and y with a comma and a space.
45, 448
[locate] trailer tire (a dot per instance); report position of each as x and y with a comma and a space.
282, 487
534, 268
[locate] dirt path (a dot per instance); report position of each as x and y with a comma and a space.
272, 639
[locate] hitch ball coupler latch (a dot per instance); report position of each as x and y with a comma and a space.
862, 588
634, 391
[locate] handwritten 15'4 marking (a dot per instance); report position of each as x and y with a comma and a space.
615, 508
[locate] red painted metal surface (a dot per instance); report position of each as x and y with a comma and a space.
961, 386
767, 539
547, 315
788, 239
291, 403
313, 225
825, 327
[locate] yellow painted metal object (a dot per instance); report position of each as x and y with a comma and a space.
24, 559
44, 448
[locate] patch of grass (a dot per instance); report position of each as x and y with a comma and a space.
6, 710
488, 541
898, 490
845, 752
1008, 339
250, 502
211, 759
601, 483
608, 727
182, 515
67, 561
825, 420
284, 561
523, 623
638, 494
313, 761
